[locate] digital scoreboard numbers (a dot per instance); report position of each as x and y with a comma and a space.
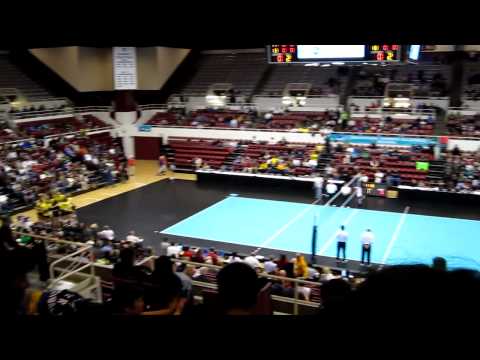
381, 53
283, 53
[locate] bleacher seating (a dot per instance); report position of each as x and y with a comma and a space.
242, 70
12, 77
212, 152
40, 128
318, 77
390, 161
391, 125
471, 81
463, 125
434, 79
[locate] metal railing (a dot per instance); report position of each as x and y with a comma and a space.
77, 263
297, 283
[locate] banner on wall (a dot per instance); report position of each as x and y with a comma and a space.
125, 68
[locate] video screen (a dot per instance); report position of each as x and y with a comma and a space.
331, 51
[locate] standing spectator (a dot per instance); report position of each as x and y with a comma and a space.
342, 237
359, 195
318, 186
173, 250
131, 165
162, 165
367, 240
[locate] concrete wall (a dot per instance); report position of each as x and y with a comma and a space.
91, 69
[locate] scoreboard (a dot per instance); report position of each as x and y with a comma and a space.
383, 53
374, 189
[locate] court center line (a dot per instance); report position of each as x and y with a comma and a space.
395, 235
334, 236
284, 227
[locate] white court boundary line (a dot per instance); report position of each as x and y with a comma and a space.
334, 236
164, 231
299, 215
395, 235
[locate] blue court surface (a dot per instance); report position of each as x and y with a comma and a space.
280, 225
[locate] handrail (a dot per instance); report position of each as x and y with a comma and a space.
297, 282
67, 257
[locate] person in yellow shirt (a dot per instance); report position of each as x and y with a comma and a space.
319, 148
274, 161
301, 267
263, 167
58, 197
44, 207
66, 207
313, 156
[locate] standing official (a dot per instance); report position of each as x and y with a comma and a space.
367, 240
342, 237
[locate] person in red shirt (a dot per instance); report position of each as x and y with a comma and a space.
186, 253
212, 255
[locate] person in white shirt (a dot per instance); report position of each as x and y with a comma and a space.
379, 177
106, 234
132, 238
270, 266
234, 258
173, 250
252, 261
359, 195
367, 240
342, 237
318, 186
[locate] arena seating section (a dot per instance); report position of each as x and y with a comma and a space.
211, 151
325, 81
42, 128
389, 125
463, 125
428, 80
12, 77
242, 70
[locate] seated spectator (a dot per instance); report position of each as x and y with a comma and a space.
165, 298
439, 263
106, 234
301, 267
237, 289
252, 261
233, 258
198, 257
270, 266
133, 239
128, 300
335, 294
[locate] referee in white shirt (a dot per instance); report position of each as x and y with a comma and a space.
342, 237
367, 240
